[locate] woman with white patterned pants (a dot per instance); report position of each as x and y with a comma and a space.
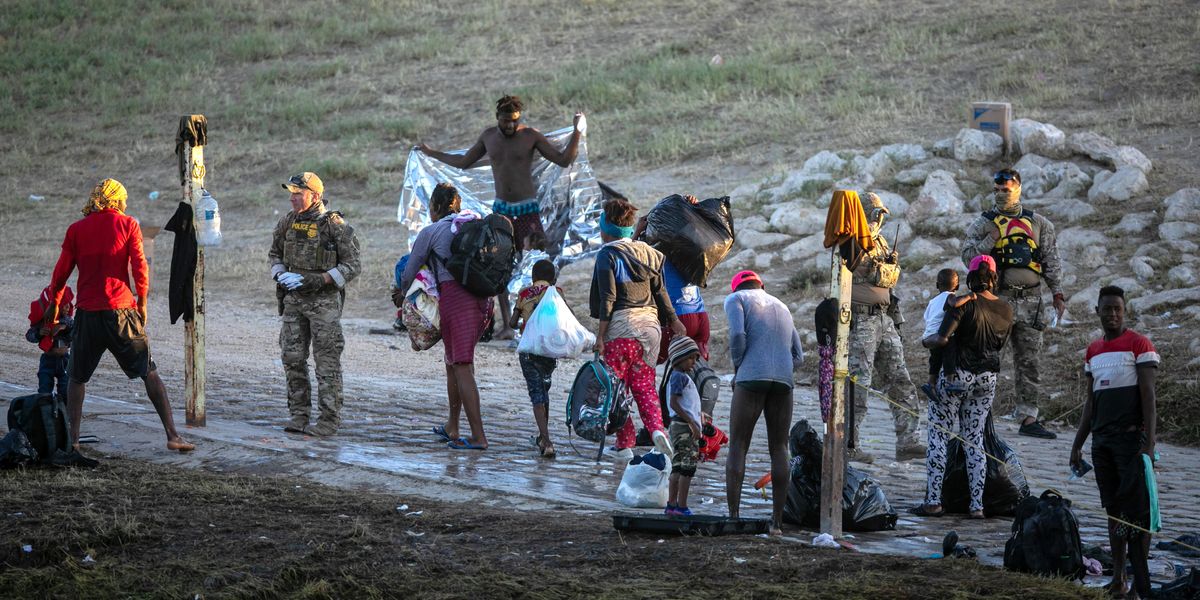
975, 329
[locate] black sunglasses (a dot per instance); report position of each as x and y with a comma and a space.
1002, 177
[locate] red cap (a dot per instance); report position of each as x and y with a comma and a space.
743, 277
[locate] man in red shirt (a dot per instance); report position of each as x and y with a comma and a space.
1120, 415
106, 244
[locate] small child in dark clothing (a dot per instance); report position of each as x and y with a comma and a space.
947, 284
54, 341
537, 370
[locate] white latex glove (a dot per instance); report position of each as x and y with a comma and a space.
291, 281
581, 123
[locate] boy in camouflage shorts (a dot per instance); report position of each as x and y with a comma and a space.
686, 422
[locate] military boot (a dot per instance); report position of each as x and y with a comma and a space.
297, 424
323, 428
909, 450
857, 454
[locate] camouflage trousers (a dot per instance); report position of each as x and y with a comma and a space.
875, 348
313, 320
1026, 343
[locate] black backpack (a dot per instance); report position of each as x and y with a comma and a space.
483, 255
38, 432
1045, 538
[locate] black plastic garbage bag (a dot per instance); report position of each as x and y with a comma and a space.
864, 505
694, 237
1004, 486
16, 450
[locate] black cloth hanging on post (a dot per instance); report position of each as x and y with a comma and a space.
193, 130
183, 264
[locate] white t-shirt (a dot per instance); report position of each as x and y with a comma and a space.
681, 385
934, 313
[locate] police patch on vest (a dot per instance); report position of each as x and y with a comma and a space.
309, 228
1016, 246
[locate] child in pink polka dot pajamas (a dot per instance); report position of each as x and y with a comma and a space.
628, 298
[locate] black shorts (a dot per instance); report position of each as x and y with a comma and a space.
1116, 460
119, 331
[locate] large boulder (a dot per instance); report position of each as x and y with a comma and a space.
1142, 268
797, 219
939, 196
755, 241
921, 248
1182, 275
824, 162
1076, 239
803, 248
904, 155
1178, 231
877, 165
1153, 302
1103, 150
1069, 210
752, 223
1183, 205
1032, 137
944, 148
800, 184
1133, 223
895, 203
1064, 180
859, 182
1126, 183
973, 145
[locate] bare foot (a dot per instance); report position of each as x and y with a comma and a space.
505, 334
1118, 588
180, 444
774, 531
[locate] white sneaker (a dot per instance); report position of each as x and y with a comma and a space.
663, 443
622, 454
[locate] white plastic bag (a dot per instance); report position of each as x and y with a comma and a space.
644, 485
553, 331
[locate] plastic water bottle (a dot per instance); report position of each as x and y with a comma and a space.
208, 221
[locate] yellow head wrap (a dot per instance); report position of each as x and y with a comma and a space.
107, 194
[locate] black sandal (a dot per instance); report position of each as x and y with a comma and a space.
536, 440
922, 511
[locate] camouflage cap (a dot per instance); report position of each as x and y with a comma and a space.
305, 180
872, 201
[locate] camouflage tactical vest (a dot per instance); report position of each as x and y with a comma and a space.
311, 244
1017, 245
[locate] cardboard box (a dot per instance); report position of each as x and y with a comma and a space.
993, 117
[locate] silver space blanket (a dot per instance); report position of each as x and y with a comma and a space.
570, 197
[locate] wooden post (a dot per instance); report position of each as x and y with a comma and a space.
193, 349
833, 463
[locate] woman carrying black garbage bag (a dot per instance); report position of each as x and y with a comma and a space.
975, 329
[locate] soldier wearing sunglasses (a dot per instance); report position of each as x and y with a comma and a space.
1023, 245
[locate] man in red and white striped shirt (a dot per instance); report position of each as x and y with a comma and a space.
1120, 414
106, 245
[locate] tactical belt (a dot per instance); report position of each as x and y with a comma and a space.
859, 308
1033, 291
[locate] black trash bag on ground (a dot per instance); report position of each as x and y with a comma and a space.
1004, 486
17, 451
694, 237
864, 505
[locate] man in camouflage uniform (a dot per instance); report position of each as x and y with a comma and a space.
875, 345
314, 254
1023, 244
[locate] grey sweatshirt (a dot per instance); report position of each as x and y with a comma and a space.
763, 341
435, 238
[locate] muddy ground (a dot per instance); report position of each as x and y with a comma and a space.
130, 529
